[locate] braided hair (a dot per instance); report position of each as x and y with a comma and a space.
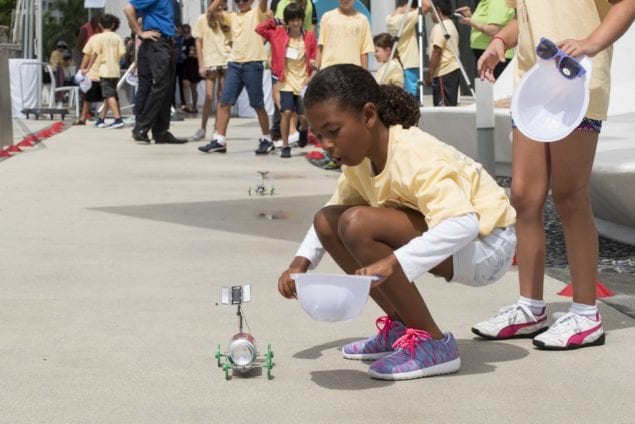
352, 87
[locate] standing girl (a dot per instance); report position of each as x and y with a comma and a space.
565, 165
390, 72
212, 51
406, 204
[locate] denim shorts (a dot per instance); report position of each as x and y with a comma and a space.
485, 259
587, 124
292, 102
244, 75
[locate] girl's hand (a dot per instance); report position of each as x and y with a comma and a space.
577, 48
494, 53
202, 72
286, 284
382, 269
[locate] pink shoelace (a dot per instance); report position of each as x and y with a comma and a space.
384, 324
411, 339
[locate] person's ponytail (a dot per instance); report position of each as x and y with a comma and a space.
396, 107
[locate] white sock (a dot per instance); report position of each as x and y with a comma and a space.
589, 311
537, 307
220, 139
266, 137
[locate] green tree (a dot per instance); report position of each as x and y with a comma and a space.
73, 15
6, 9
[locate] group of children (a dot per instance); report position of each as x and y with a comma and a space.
101, 65
407, 204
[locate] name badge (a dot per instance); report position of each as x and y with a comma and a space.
292, 53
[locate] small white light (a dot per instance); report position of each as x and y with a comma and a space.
242, 350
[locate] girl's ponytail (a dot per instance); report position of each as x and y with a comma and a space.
397, 107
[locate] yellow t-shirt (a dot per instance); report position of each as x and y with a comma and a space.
216, 48
559, 20
344, 38
294, 67
57, 58
429, 176
93, 72
448, 62
394, 73
407, 45
247, 45
110, 49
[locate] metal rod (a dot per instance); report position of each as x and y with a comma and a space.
454, 52
421, 29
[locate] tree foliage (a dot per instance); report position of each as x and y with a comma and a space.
73, 15
6, 8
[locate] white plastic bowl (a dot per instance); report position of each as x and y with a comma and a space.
332, 297
546, 106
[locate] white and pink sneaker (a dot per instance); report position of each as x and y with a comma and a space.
572, 331
512, 321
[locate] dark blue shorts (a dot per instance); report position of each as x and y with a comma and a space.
292, 102
244, 75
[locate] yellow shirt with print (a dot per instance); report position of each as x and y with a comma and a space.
393, 71
247, 45
407, 45
294, 67
93, 72
344, 38
110, 49
559, 20
216, 48
429, 176
448, 62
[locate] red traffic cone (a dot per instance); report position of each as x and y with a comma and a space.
4, 154
600, 290
13, 149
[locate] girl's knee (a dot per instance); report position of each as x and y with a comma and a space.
569, 202
527, 198
351, 224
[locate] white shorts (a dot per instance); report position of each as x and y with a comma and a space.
486, 259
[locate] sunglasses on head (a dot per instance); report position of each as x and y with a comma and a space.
568, 66
241, 1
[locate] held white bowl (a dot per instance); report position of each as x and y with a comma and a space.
332, 297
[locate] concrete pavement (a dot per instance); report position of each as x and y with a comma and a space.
111, 263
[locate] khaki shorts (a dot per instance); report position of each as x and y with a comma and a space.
485, 259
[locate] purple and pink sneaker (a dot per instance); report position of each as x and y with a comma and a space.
417, 355
376, 346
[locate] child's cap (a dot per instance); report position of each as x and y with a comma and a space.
546, 106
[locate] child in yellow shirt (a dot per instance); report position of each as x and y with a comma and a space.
406, 204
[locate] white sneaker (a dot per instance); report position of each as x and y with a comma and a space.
512, 321
199, 134
294, 138
572, 331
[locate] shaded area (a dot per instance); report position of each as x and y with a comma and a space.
284, 218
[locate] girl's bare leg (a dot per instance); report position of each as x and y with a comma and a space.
530, 184
285, 123
360, 235
186, 94
207, 106
194, 88
571, 162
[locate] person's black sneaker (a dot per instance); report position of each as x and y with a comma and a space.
140, 136
168, 138
213, 146
265, 147
304, 138
285, 152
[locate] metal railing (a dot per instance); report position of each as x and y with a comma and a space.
6, 122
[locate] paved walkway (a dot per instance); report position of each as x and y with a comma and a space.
111, 262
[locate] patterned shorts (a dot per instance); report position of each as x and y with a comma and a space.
587, 124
